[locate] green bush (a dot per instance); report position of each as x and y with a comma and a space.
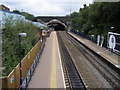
11, 28
97, 18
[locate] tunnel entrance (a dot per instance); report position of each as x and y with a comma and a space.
57, 25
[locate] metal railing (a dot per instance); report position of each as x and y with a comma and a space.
94, 40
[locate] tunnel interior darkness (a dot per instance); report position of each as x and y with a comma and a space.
57, 26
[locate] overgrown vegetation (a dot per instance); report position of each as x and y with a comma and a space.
97, 18
27, 15
10, 41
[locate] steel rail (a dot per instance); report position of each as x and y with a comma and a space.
112, 75
73, 79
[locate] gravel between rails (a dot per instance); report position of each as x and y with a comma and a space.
90, 75
106, 69
72, 78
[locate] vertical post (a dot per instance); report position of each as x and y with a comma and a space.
77, 32
19, 37
98, 39
20, 58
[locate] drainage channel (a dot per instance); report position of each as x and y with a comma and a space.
72, 77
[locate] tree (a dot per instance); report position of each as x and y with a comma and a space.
97, 18
10, 41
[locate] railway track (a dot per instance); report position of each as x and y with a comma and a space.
71, 75
107, 70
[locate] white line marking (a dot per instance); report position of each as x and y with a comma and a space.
61, 64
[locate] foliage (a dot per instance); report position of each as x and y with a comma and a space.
97, 18
27, 15
10, 41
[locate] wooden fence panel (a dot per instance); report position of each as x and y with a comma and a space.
17, 76
13, 80
28, 60
32, 55
25, 66
4, 83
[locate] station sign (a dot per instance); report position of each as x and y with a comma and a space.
114, 41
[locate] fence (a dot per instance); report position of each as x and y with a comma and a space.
29, 63
89, 38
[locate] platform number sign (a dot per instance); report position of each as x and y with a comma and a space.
114, 41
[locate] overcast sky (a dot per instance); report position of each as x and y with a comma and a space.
46, 7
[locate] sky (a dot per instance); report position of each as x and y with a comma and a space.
46, 7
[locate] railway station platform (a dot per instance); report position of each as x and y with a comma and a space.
49, 72
103, 52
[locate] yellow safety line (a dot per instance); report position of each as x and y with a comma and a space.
53, 69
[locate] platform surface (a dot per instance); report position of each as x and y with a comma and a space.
49, 73
105, 53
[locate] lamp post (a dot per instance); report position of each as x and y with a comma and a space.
20, 58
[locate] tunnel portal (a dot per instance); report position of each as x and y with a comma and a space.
57, 25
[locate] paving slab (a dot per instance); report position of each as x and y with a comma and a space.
49, 73
105, 53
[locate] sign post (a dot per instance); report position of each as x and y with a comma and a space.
102, 40
20, 58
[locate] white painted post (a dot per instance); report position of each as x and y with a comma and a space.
98, 39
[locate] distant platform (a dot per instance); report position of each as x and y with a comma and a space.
103, 52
